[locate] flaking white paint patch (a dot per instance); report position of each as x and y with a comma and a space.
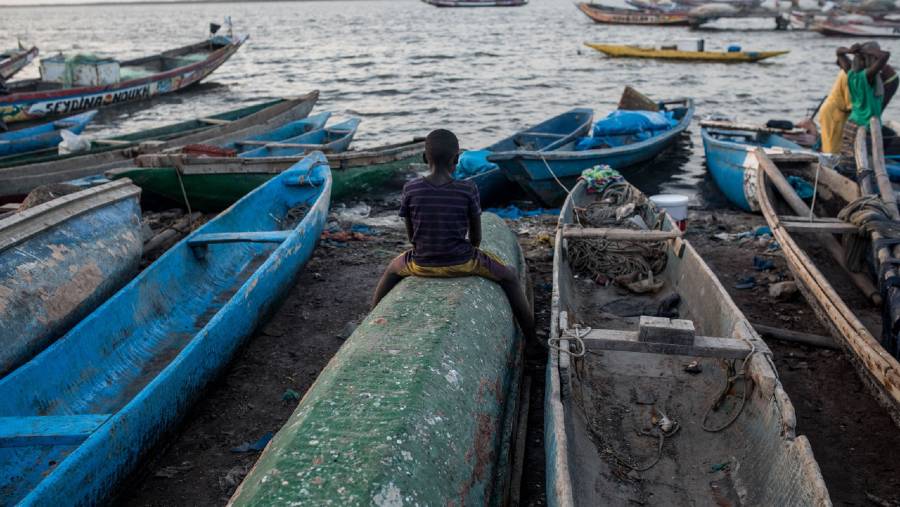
389, 496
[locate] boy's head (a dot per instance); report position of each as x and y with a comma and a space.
442, 150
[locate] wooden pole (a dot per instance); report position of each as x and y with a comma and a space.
881, 176
827, 240
620, 234
787, 335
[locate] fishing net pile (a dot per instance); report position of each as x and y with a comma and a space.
632, 264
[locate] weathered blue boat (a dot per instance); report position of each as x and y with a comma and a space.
333, 139
286, 131
730, 160
548, 135
545, 174
77, 418
61, 259
45, 135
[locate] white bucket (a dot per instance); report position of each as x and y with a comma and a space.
676, 205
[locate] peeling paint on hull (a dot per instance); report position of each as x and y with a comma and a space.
136, 364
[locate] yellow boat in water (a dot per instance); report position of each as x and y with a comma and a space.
674, 52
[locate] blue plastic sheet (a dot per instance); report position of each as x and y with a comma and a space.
513, 212
633, 122
473, 162
595, 143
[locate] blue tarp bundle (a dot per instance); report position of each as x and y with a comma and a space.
626, 127
803, 188
633, 122
473, 162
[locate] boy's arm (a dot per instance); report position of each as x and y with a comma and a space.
843, 60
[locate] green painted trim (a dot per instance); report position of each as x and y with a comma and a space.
417, 407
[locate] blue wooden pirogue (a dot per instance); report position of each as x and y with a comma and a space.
76, 419
538, 172
45, 135
286, 131
548, 135
61, 259
333, 139
729, 155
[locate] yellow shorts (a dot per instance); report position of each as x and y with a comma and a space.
483, 264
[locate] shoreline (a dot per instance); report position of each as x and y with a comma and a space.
121, 3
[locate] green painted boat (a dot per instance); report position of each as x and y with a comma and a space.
214, 183
417, 408
21, 174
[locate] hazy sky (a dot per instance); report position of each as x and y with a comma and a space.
44, 2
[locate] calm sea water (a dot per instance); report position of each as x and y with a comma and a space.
405, 67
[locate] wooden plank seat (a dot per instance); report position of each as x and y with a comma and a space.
48, 429
200, 242
657, 335
619, 234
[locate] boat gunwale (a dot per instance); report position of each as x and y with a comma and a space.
19, 226
221, 53
272, 165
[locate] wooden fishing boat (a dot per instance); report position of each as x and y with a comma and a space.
670, 52
214, 183
618, 16
418, 406
476, 3
852, 318
875, 29
545, 175
279, 134
14, 60
61, 259
666, 397
42, 136
94, 83
77, 418
732, 165
333, 139
18, 178
552, 134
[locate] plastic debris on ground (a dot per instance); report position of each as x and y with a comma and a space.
745, 283
253, 446
762, 264
599, 177
290, 395
360, 214
513, 212
803, 188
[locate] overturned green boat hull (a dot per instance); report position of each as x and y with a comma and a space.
417, 407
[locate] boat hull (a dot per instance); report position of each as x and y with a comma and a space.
613, 16
212, 184
858, 30
50, 277
42, 136
134, 366
733, 166
624, 51
20, 178
547, 176
476, 3
416, 407
12, 65
28, 106
597, 405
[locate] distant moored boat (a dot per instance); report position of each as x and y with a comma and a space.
14, 60
476, 3
617, 16
78, 83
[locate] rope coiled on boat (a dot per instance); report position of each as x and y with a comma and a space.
620, 258
870, 214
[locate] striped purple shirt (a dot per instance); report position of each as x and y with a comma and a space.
440, 220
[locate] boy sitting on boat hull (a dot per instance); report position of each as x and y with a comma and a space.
440, 212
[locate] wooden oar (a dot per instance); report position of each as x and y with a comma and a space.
727, 125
